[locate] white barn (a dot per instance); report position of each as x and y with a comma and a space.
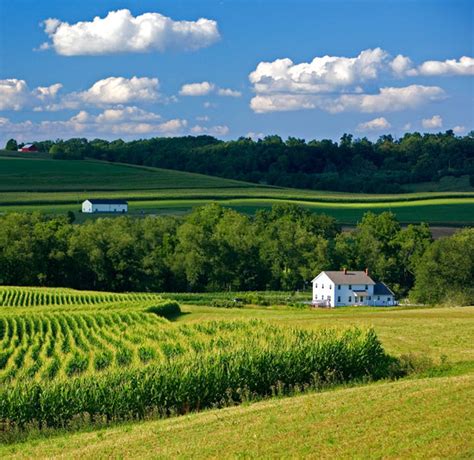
115, 206
337, 288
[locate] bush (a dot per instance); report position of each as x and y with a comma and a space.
168, 309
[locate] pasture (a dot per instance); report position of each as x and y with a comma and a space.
55, 186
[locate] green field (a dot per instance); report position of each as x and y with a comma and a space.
55, 186
66, 343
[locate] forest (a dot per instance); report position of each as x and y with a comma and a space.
350, 165
218, 249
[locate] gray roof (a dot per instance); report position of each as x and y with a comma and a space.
98, 201
339, 277
360, 293
382, 289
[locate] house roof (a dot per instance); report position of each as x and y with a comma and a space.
27, 146
348, 277
104, 201
382, 289
360, 293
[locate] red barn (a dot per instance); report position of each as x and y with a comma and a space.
28, 148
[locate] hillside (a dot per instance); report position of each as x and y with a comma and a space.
43, 174
413, 418
57, 186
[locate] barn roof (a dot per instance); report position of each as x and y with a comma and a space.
382, 289
27, 146
347, 277
105, 201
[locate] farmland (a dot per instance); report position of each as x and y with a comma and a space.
78, 357
54, 186
79, 351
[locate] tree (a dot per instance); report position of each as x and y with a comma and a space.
446, 270
11, 145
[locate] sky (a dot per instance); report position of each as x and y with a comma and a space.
308, 69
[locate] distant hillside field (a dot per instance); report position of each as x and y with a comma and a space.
35, 174
57, 186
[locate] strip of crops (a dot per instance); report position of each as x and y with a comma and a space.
204, 365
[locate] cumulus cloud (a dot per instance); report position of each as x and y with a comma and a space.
218, 130
255, 136
197, 89
464, 66
389, 99
459, 129
322, 74
120, 90
122, 121
432, 123
227, 92
205, 88
15, 94
402, 65
377, 124
121, 32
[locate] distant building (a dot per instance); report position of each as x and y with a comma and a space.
337, 288
28, 148
115, 206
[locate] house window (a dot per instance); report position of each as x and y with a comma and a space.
350, 299
315, 296
322, 286
378, 297
338, 287
350, 286
330, 286
388, 299
316, 285
366, 287
322, 297
339, 298
370, 298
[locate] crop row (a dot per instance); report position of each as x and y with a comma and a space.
29, 297
207, 365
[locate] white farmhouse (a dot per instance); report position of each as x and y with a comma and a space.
116, 206
336, 288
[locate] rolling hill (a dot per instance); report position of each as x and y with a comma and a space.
57, 186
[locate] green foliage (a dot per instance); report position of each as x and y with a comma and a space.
445, 272
167, 309
11, 145
357, 165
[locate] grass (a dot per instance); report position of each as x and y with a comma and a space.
425, 418
23, 174
54, 186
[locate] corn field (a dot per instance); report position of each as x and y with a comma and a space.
113, 357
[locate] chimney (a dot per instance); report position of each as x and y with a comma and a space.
345, 271
367, 271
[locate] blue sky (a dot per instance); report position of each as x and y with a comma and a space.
247, 69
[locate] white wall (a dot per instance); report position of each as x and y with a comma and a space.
88, 207
323, 289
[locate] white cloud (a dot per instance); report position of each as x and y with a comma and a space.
282, 102
219, 130
119, 114
120, 90
203, 118
205, 88
255, 136
322, 74
465, 66
407, 126
197, 89
459, 129
377, 124
389, 99
228, 92
121, 32
431, 123
401, 65
15, 94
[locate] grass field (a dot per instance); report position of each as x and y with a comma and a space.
54, 186
414, 417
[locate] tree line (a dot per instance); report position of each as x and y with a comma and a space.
352, 165
215, 249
